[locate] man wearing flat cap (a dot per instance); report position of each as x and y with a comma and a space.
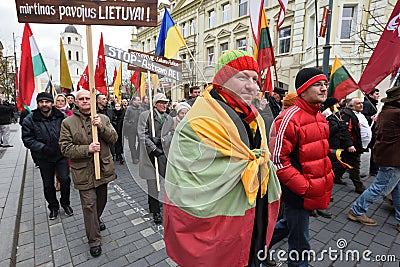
386, 156
151, 148
40, 133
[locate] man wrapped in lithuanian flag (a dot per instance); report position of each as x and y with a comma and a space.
222, 193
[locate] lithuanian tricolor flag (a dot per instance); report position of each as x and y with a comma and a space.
263, 51
212, 181
340, 83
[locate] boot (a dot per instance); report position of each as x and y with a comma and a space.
121, 159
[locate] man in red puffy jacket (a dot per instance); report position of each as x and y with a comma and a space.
300, 150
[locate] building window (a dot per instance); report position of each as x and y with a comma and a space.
185, 29
69, 40
210, 55
191, 26
224, 47
241, 44
284, 40
347, 22
69, 55
311, 31
148, 45
77, 71
226, 13
142, 46
242, 8
77, 56
211, 19
265, 3
155, 42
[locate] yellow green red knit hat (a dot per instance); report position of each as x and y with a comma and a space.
230, 63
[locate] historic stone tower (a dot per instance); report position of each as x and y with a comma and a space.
74, 52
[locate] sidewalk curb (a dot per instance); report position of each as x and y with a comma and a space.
9, 225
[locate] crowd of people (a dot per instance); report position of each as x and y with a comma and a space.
242, 170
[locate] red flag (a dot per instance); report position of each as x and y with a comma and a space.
386, 57
135, 79
100, 72
115, 76
324, 22
84, 80
268, 83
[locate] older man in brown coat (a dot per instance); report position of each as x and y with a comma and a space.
76, 143
386, 156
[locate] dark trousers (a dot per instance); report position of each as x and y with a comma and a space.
373, 168
47, 171
152, 196
354, 160
295, 226
93, 202
133, 147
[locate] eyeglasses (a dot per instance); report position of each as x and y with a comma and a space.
319, 84
84, 98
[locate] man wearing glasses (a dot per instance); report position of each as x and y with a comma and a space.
76, 142
299, 146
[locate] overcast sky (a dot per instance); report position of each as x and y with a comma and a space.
47, 37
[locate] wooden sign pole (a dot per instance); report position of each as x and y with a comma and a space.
153, 130
92, 98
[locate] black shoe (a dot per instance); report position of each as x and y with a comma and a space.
95, 251
360, 189
157, 218
102, 226
339, 181
68, 210
53, 214
269, 262
314, 213
121, 161
324, 213
373, 174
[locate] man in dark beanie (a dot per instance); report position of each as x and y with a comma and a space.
275, 100
40, 133
300, 148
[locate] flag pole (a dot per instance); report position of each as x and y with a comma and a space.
92, 98
53, 89
195, 62
153, 130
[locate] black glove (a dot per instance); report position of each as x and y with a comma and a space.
48, 150
156, 140
157, 152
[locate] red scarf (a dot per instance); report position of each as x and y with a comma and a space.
249, 112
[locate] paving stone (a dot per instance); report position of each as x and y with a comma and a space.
25, 238
324, 236
121, 261
26, 263
139, 254
58, 242
156, 257
158, 245
42, 240
25, 252
61, 256
146, 232
43, 255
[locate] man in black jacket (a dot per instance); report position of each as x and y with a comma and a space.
356, 140
369, 111
40, 133
6, 112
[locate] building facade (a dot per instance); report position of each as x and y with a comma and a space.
71, 40
212, 27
